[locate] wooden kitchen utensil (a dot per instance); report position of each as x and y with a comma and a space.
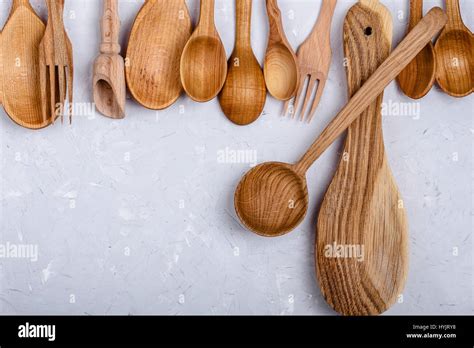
109, 68
314, 61
243, 97
157, 40
204, 63
418, 77
362, 209
272, 198
281, 66
56, 65
454, 52
19, 68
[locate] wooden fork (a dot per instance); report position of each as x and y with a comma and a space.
314, 59
56, 65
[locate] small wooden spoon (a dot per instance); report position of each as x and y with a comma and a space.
361, 210
21, 37
281, 66
109, 68
419, 76
272, 198
157, 40
204, 61
454, 54
244, 93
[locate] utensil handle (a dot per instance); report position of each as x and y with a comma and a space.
110, 27
274, 19
243, 22
416, 13
18, 3
323, 24
453, 11
405, 52
206, 17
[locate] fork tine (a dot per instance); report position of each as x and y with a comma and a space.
309, 93
317, 98
69, 86
62, 90
298, 95
52, 88
43, 88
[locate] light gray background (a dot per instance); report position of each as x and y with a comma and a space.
152, 185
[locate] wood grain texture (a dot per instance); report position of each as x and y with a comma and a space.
314, 60
271, 199
419, 76
362, 207
281, 67
244, 93
21, 36
157, 39
454, 52
108, 80
204, 61
56, 65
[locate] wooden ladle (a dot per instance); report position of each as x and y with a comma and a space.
109, 68
281, 66
272, 198
21, 36
417, 79
362, 211
243, 97
454, 51
204, 63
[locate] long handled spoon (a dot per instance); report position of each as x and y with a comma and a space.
157, 40
243, 97
109, 68
281, 66
361, 210
455, 54
417, 79
21, 37
272, 198
204, 63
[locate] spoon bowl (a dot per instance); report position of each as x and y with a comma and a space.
203, 67
281, 72
271, 199
109, 85
454, 59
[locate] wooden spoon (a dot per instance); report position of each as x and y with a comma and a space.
109, 69
204, 63
361, 210
419, 76
454, 54
157, 40
281, 66
21, 37
272, 198
244, 93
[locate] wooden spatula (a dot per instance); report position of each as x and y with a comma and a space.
361, 242
19, 49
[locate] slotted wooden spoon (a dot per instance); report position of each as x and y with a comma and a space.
419, 76
455, 54
21, 37
156, 42
243, 97
272, 198
362, 210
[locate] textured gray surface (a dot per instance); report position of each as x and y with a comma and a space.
136, 216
